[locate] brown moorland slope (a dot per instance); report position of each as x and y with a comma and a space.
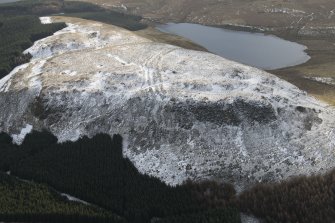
310, 22
275, 13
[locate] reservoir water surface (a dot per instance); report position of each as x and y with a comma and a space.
255, 49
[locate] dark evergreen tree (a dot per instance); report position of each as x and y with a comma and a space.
96, 171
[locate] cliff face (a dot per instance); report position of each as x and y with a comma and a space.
182, 113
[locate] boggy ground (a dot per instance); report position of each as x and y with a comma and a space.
311, 23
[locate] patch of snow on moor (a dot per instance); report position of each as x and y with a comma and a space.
45, 20
71, 198
18, 138
5, 82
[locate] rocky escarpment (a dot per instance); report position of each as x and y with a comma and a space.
182, 114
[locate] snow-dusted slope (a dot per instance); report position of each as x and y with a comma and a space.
183, 114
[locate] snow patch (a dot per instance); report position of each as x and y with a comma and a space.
324, 80
18, 138
240, 144
124, 7
284, 11
98, 82
71, 198
332, 12
45, 20
331, 135
117, 58
249, 219
69, 73
5, 82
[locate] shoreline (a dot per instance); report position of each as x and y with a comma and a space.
299, 75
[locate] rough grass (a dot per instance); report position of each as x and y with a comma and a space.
131, 23
157, 36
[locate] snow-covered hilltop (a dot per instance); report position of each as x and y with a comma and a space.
182, 113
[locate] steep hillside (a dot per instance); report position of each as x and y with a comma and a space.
183, 114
